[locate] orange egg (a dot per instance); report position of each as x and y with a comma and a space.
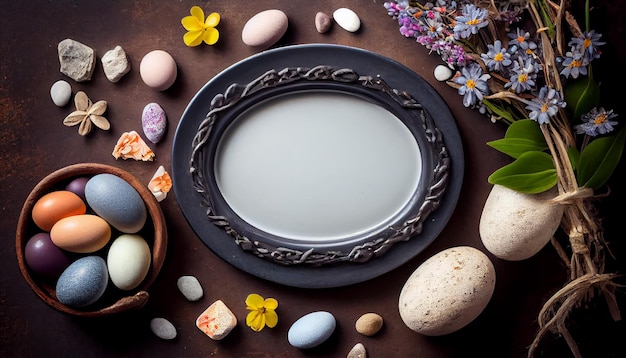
55, 206
81, 233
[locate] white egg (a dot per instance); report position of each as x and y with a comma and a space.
128, 261
447, 291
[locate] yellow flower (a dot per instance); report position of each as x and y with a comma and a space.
262, 312
200, 30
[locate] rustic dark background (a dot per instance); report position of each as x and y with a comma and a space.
33, 143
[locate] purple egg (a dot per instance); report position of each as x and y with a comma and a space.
77, 186
44, 258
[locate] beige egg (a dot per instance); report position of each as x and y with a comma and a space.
81, 233
265, 28
515, 226
158, 70
448, 291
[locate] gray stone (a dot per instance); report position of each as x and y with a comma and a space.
163, 328
190, 287
77, 60
61, 92
115, 64
323, 22
358, 351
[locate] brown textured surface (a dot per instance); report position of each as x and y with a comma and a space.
33, 143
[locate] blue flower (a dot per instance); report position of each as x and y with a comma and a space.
521, 39
496, 57
588, 43
598, 121
545, 105
473, 84
575, 64
524, 75
471, 20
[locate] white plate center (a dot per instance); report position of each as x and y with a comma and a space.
317, 166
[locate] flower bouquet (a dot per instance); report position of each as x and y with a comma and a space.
528, 64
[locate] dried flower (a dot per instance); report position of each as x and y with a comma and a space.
524, 75
160, 184
471, 20
131, 146
588, 43
496, 58
545, 105
199, 29
473, 84
262, 312
87, 113
597, 121
575, 64
521, 40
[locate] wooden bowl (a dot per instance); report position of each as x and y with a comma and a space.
114, 300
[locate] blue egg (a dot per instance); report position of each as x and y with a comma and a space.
311, 330
116, 201
83, 282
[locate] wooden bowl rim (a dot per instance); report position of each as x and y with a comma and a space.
136, 298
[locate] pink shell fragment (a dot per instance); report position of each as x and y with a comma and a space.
153, 122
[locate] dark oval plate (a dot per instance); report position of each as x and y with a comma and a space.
317, 165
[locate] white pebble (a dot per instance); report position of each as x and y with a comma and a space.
347, 19
190, 287
358, 351
162, 328
442, 73
115, 64
60, 92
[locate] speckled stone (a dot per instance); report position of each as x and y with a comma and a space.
190, 287
153, 122
83, 282
117, 202
163, 328
77, 60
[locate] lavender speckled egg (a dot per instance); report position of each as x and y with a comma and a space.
153, 122
83, 282
117, 202
44, 257
311, 330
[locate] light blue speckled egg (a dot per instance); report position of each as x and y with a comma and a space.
311, 330
83, 282
116, 201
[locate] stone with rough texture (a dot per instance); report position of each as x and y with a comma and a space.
190, 287
76, 59
447, 291
358, 351
264, 29
163, 328
323, 22
61, 92
347, 19
217, 321
115, 64
369, 324
153, 122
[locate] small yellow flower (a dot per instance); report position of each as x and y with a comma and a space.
262, 312
200, 30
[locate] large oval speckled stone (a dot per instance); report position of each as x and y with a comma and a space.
116, 201
153, 122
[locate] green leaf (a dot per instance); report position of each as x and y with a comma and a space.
531, 173
581, 95
499, 111
522, 136
515, 147
599, 159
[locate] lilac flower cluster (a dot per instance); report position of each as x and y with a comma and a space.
582, 51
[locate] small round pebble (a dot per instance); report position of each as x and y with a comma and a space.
158, 70
369, 324
442, 73
311, 330
358, 351
163, 328
190, 287
347, 19
60, 92
264, 29
323, 22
